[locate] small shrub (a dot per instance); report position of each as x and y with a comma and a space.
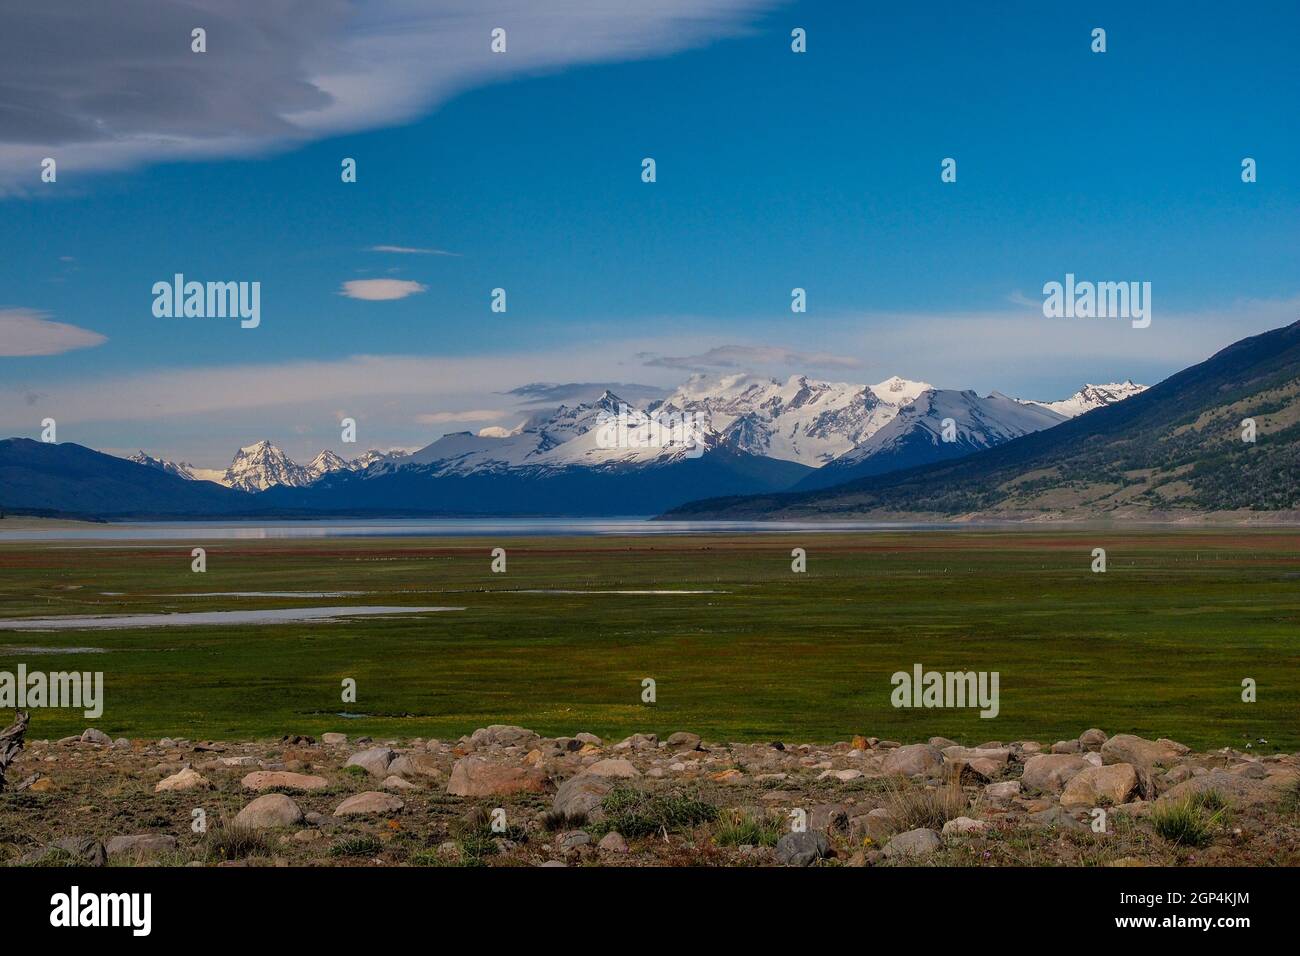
234, 841
911, 807
636, 813
356, 846
738, 828
557, 822
1189, 822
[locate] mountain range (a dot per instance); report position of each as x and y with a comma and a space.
1221, 436
741, 434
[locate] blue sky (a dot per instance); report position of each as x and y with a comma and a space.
775, 170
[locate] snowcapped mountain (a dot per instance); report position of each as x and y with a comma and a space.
736, 434
261, 465
801, 420
1090, 397
162, 464
938, 424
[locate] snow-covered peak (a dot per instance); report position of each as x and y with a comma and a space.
899, 391
261, 465
179, 469
1092, 396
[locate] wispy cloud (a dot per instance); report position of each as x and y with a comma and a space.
476, 415
411, 251
750, 357
279, 73
381, 290
29, 332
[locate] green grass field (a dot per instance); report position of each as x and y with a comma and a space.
1158, 645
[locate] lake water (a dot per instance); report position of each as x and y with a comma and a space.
429, 527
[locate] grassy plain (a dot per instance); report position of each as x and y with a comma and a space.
1158, 645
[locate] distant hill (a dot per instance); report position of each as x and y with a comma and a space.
45, 478
1174, 448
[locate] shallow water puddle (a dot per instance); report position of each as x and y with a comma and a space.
190, 619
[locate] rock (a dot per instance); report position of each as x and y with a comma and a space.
965, 825
334, 739
92, 736
579, 796
802, 849
502, 735
919, 842
1091, 740
1101, 786
1051, 772
639, 742
612, 767
186, 779
573, 839
829, 817
942, 743
1241, 792
875, 824
590, 739
1140, 752
915, 760
369, 802
1066, 747
277, 779
395, 782
269, 810
1055, 817
374, 761
997, 757
612, 842
416, 764
141, 845
476, 777
1001, 794
85, 850
684, 741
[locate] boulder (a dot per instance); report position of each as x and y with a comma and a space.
141, 845
269, 810
186, 779
684, 741
333, 739
1130, 749
282, 779
416, 764
374, 760
580, 795
919, 842
92, 736
638, 742
915, 760
369, 802
1240, 792
965, 825
1091, 740
612, 842
802, 849
1051, 772
476, 777
613, 767
502, 735
1001, 794
1101, 786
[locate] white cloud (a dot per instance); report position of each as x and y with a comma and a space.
29, 332
280, 73
381, 290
